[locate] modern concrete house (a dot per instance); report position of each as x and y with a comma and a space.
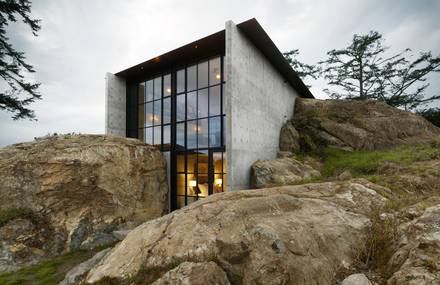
213, 107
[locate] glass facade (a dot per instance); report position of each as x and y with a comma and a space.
182, 112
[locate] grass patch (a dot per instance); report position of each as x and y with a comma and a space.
362, 162
47, 272
7, 215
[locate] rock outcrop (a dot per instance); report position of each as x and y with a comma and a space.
83, 186
417, 259
354, 125
286, 235
280, 171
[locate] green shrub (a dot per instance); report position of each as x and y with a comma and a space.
9, 214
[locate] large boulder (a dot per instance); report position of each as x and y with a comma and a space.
280, 171
80, 189
284, 235
358, 125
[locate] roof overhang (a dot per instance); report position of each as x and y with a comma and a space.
213, 45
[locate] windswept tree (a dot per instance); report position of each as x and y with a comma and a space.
304, 71
16, 92
362, 71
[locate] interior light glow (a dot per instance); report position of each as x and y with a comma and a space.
192, 183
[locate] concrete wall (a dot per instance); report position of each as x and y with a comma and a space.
115, 105
258, 101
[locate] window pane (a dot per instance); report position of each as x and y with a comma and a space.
181, 81
224, 182
157, 135
149, 114
214, 101
191, 135
180, 184
149, 135
203, 186
214, 131
218, 183
202, 103
214, 71
166, 111
191, 105
202, 74
224, 130
180, 202
224, 162
217, 161
141, 93
149, 91
167, 85
157, 112
167, 135
191, 183
202, 163
180, 116
191, 73
180, 134
157, 87
192, 162
181, 162
203, 133
141, 116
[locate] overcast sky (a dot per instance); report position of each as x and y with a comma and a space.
81, 40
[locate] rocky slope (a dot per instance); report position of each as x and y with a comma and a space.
352, 125
287, 235
72, 192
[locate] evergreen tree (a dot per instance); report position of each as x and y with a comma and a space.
362, 71
303, 70
16, 92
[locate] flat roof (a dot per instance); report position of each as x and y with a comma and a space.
213, 45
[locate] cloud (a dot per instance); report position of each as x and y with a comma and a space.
81, 40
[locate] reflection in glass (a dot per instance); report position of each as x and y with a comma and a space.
167, 85
166, 111
202, 162
203, 133
214, 100
191, 105
157, 88
224, 162
180, 184
217, 161
192, 162
149, 95
191, 136
149, 135
180, 134
215, 132
191, 73
214, 71
202, 102
181, 162
157, 135
141, 93
202, 74
157, 112
166, 134
180, 81
149, 114
180, 108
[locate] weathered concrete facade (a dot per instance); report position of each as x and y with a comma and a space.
115, 105
258, 100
